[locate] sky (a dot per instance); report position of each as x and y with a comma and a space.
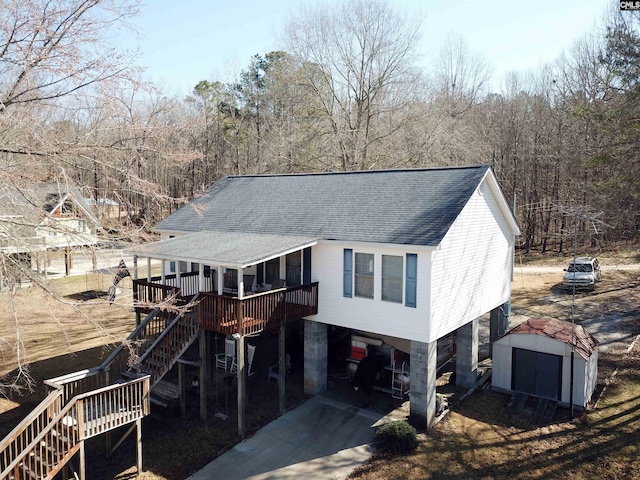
183, 42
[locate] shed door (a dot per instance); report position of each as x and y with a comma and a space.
536, 373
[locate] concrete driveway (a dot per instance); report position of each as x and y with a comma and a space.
320, 439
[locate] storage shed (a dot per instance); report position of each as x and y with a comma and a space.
535, 358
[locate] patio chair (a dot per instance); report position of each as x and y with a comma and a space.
225, 360
274, 370
251, 351
278, 283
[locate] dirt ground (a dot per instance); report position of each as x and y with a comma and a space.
58, 338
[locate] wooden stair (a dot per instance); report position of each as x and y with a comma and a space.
84, 404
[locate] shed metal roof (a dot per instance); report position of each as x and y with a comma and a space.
231, 249
560, 330
413, 207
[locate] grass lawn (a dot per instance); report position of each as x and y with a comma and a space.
480, 439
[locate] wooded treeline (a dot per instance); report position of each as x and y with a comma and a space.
344, 93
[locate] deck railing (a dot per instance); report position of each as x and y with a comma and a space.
83, 417
188, 283
27, 430
146, 294
257, 312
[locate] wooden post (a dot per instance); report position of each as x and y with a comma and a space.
203, 374
108, 441
67, 261
241, 373
183, 406
220, 273
83, 462
201, 287
282, 367
148, 269
135, 296
139, 445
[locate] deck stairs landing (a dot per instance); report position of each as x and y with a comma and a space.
84, 404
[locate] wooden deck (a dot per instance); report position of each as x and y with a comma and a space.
227, 314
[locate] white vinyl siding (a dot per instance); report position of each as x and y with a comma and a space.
385, 318
364, 275
472, 267
392, 276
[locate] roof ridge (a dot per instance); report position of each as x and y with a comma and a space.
352, 172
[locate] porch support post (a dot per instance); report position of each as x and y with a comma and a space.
240, 283
203, 374
163, 275
178, 275
83, 462
201, 287
220, 270
282, 367
135, 267
315, 357
498, 323
149, 269
241, 388
422, 401
467, 354
135, 292
139, 445
183, 403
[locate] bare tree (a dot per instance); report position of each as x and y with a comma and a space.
357, 57
461, 76
51, 49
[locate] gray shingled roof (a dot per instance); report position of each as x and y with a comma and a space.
232, 249
414, 207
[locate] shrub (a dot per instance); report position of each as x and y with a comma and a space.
396, 437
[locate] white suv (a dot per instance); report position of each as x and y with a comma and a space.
582, 273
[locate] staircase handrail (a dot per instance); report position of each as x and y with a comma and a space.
58, 418
166, 331
131, 336
58, 382
29, 420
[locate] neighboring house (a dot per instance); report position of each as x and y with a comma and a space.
37, 217
106, 208
410, 254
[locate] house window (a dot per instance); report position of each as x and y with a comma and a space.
364, 275
392, 278
271, 270
294, 268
